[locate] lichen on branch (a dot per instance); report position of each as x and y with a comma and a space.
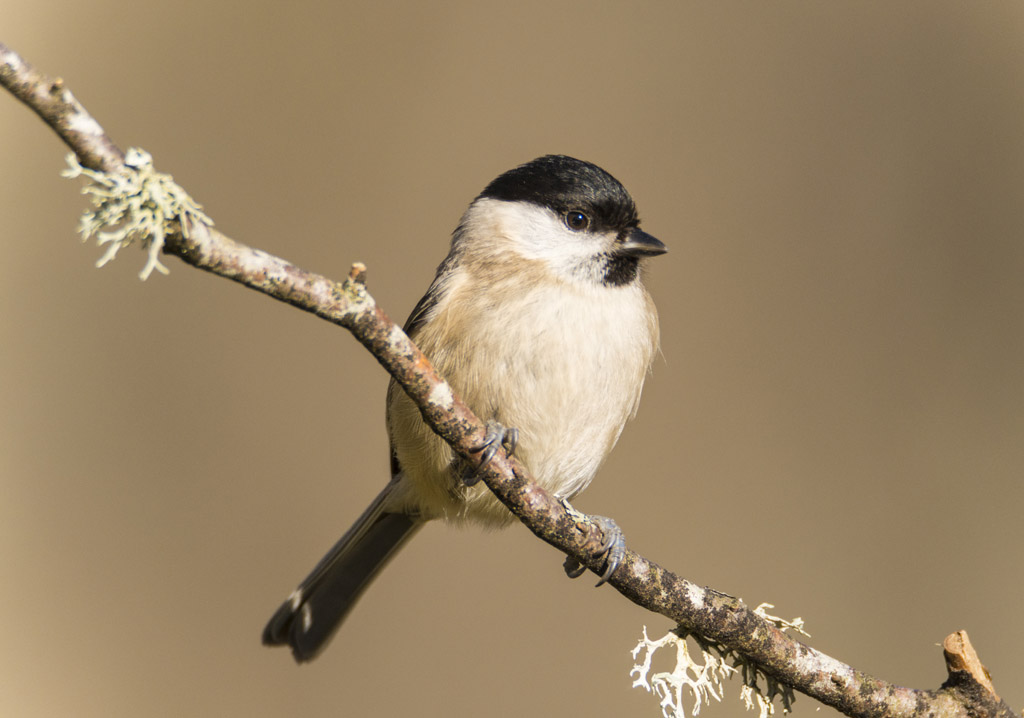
704, 679
135, 205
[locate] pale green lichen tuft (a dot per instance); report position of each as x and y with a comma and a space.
703, 679
135, 204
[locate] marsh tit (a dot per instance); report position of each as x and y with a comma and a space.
540, 322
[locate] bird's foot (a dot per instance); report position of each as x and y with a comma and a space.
497, 436
613, 547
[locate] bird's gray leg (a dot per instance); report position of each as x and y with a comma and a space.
497, 436
613, 547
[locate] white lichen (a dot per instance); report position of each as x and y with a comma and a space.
752, 698
85, 123
703, 680
11, 60
797, 624
136, 204
441, 395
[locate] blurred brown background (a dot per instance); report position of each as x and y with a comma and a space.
836, 427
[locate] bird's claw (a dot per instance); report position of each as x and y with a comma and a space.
497, 436
573, 568
613, 546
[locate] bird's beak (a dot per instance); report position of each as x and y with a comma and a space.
637, 243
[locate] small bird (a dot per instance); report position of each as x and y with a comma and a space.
540, 322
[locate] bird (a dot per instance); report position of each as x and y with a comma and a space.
539, 320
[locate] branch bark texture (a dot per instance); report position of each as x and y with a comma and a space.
717, 617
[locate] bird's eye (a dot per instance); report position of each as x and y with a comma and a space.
576, 221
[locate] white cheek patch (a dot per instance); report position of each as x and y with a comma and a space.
540, 234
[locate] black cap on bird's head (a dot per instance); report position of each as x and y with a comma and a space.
564, 183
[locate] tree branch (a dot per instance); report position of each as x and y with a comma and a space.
720, 619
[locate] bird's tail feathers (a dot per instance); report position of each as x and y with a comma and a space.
310, 616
